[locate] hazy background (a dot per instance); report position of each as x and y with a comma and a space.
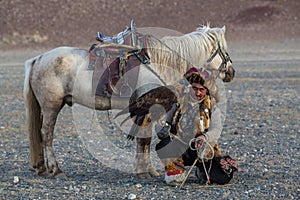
45, 24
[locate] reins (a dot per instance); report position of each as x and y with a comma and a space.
224, 56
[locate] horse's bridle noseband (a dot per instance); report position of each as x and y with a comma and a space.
224, 56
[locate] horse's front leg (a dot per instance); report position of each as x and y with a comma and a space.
144, 168
49, 120
152, 171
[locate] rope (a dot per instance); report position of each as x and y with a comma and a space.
205, 170
181, 185
201, 150
200, 153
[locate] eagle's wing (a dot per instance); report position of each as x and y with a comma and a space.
163, 96
155, 102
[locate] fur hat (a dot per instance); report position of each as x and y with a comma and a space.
194, 75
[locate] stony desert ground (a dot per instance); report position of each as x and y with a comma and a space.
262, 124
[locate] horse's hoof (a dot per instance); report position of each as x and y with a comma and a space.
50, 174
61, 176
40, 171
144, 176
154, 173
57, 173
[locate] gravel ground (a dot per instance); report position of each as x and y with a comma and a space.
261, 132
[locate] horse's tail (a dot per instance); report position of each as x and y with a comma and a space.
33, 117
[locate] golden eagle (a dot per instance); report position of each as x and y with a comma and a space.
149, 107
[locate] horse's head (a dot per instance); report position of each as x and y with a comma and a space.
219, 61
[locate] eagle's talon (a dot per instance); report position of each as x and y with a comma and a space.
130, 137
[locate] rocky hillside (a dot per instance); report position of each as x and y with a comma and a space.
35, 24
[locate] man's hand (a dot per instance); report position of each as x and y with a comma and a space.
199, 141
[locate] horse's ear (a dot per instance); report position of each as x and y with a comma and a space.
223, 29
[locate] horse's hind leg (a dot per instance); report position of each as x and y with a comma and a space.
49, 120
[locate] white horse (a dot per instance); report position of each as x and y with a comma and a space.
60, 76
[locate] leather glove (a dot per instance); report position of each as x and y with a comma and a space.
163, 131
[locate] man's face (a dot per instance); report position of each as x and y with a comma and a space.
199, 91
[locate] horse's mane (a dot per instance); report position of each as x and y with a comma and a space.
192, 49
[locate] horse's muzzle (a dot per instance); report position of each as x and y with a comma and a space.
229, 74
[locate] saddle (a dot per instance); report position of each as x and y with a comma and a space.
115, 62
120, 37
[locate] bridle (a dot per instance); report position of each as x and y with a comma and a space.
224, 56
